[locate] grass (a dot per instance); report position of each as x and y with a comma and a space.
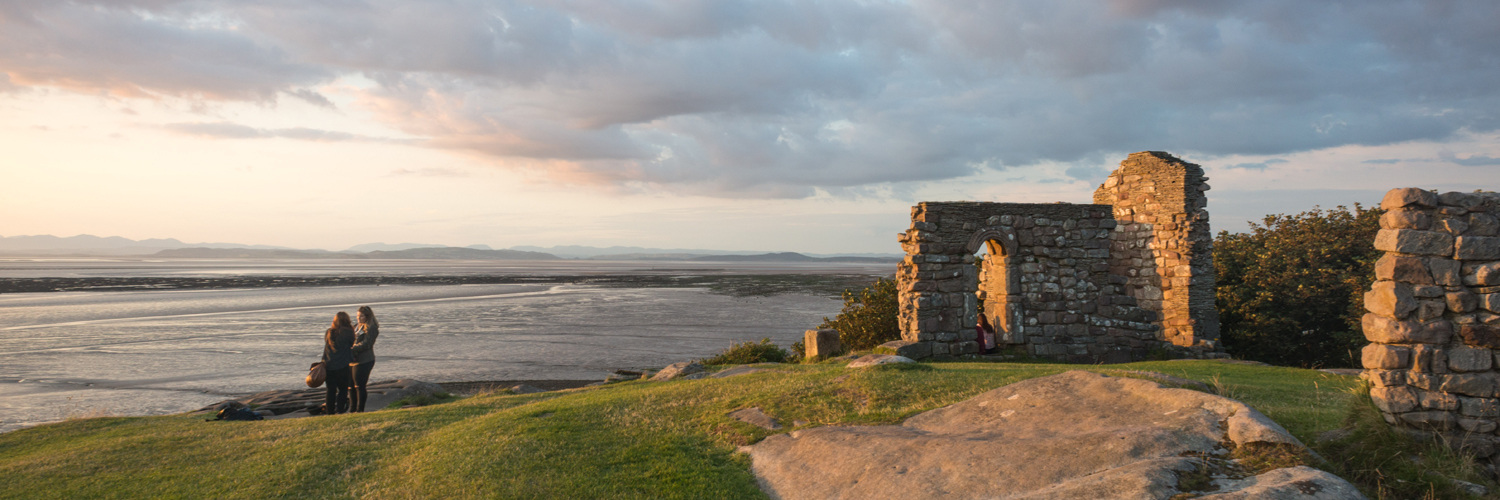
626, 440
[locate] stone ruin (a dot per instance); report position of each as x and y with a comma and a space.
1434, 317
1126, 278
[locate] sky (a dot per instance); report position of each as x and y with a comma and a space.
807, 126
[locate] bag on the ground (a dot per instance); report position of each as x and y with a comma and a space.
316, 375
238, 414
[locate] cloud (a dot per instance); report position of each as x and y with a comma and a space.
1471, 161
782, 98
1257, 165
1383, 161
227, 130
428, 172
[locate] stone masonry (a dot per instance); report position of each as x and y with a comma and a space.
1107, 282
1434, 316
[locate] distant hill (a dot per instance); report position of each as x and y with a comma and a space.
789, 257
643, 253
87, 244
462, 253
431, 253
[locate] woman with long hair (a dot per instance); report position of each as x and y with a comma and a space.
364, 356
337, 356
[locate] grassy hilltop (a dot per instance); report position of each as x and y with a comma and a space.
627, 440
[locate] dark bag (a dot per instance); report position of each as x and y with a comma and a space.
316, 375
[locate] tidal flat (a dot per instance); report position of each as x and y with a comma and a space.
140, 348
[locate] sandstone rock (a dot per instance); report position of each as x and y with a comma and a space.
1291, 483
1428, 310
1390, 299
1406, 219
1384, 378
1476, 248
755, 417
1386, 357
1470, 488
1403, 197
1459, 199
1073, 435
1481, 224
1479, 385
878, 359
1479, 407
677, 370
1437, 400
1427, 291
821, 343
906, 348
1489, 302
1385, 330
1410, 241
1434, 420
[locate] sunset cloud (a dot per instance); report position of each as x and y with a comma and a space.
780, 98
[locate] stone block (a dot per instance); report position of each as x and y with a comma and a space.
1428, 359
1446, 272
821, 343
1437, 401
1404, 197
1384, 378
1402, 268
1487, 274
1406, 219
1461, 301
1427, 291
1390, 299
1428, 310
1433, 420
1479, 407
1423, 380
1385, 357
1479, 385
1410, 241
1476, 248
1469, 359
1489, 302
1385, 330
1394, 399
1477, 425
1460, 199
906, 349
1480, 336
1483, 225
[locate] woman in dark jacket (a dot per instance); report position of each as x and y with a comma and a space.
337, 356
365, 333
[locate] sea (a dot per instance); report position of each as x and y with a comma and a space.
124, 352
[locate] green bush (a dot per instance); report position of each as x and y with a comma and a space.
744, 353
1291, 291
868, 318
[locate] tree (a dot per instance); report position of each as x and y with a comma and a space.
869, 317
1291, 291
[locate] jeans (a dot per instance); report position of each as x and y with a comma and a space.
337, 400
361, 379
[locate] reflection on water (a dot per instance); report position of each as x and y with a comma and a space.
154, 352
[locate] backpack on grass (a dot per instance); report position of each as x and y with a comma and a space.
237, 414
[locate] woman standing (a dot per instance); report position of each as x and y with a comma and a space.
364, 355
337, 357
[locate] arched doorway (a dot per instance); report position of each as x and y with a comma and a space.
998, 294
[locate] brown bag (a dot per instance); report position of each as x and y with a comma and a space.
316, 374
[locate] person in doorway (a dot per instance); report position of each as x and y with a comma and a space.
985, 335
364, 356
337, 356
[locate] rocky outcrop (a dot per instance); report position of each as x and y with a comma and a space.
1074, 435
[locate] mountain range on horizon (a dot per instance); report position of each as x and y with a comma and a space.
90, 245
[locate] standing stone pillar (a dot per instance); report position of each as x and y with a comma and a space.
1432, 321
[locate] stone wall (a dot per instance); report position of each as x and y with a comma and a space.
1163, 245
1432, 320
1077, 282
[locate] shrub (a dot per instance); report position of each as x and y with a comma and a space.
744, 353
1291, 291
868, 318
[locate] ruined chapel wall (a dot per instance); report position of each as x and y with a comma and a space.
1058, 255
1434, 316
1163, 244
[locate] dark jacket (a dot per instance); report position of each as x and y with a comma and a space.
336, 348
364, 344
